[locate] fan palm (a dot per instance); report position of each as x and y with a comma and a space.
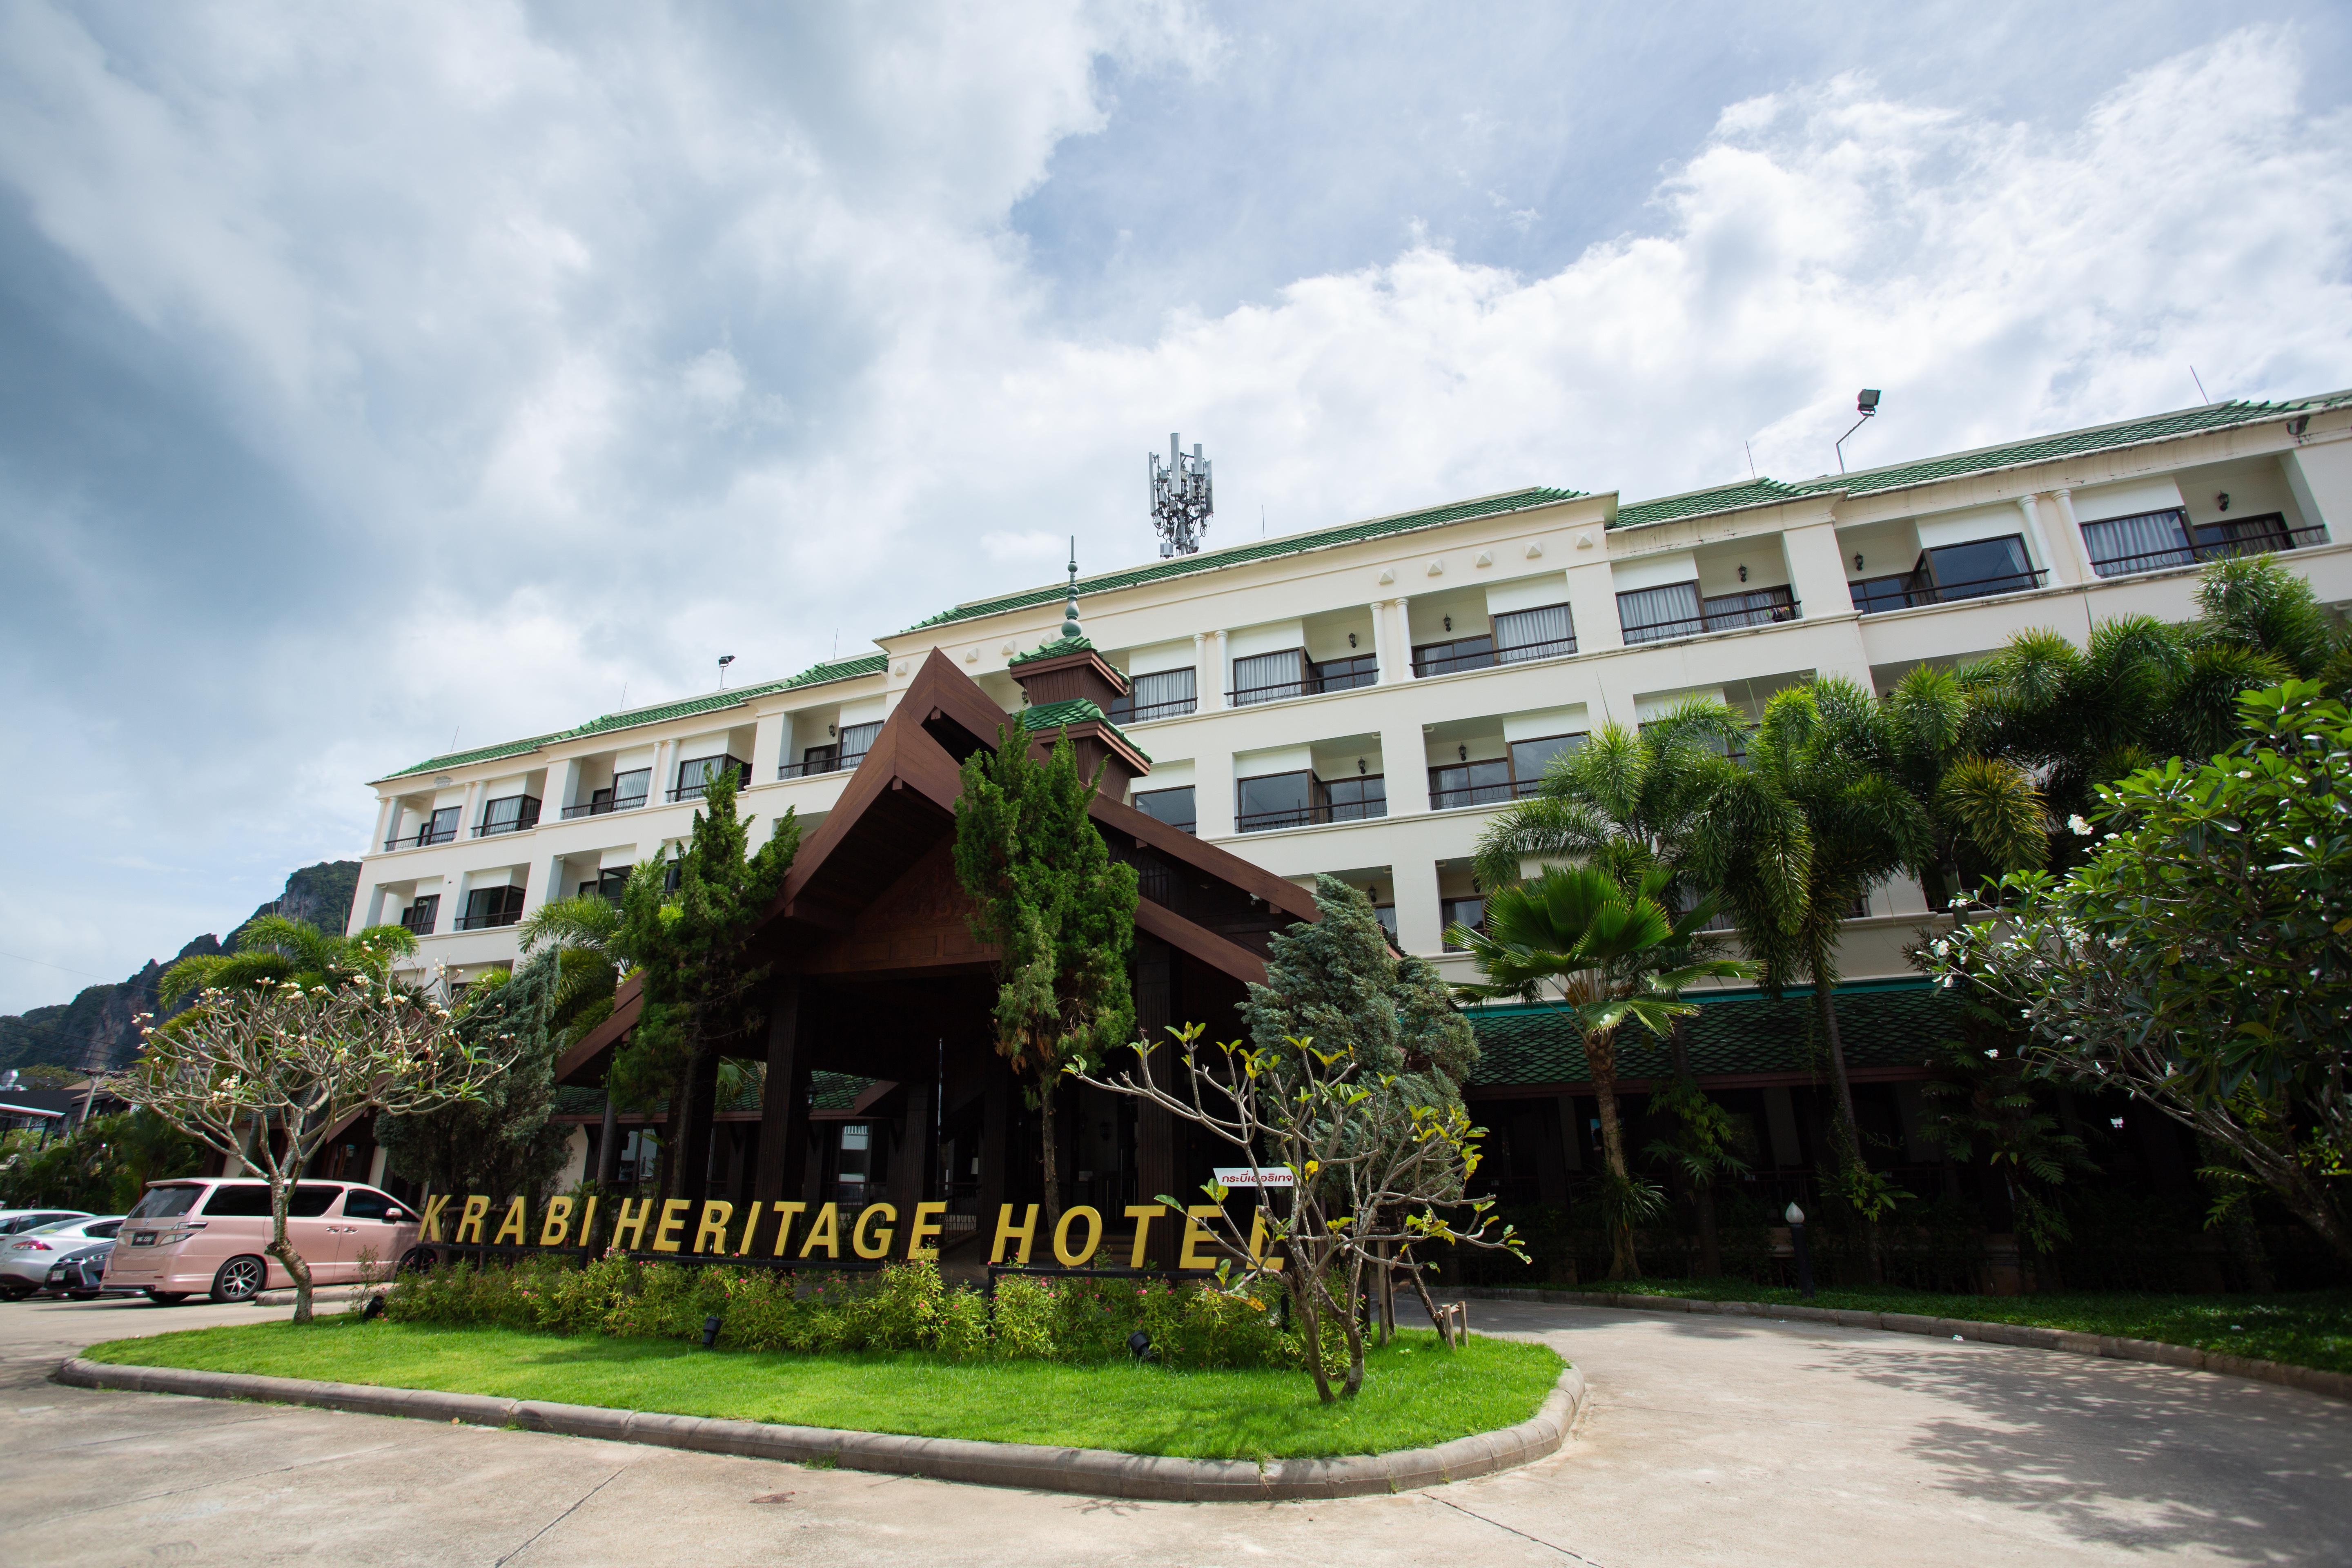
1983, 811
1577, 941
271, 948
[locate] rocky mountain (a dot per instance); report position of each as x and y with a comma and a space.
97, 1030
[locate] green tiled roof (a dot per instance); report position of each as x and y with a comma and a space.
659, 712
837, 1090
1048, 716
1894, 1024
1053, 647
1984, 459
1263, 549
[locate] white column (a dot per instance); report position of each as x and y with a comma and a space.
565, 778
2073, 529
387, 819
1405, 758
657, 790
374, 907
1213, 794
1592, 603
1419, 929
1388, 642
2066, 565
469, 816
1817, 571
776, 737
375, 1166
541, 882
1209, 683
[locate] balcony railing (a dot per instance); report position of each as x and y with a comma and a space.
1462, 653
1123, 710
1880, 594
1482, 794
2264, 544
603, 807
522, 821
815, 768
484, 922
1339, 675
1758, 612
1310, 815
693, 789
421, 838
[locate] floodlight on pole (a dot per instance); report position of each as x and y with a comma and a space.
724, 660
1867, 407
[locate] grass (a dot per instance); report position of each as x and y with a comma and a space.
2310, 1328
1415, 1393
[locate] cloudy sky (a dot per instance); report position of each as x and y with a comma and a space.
374, 375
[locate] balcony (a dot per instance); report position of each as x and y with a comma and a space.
1451, 912
1301, 800
1658, 614
429, 834
1270, 678
693, 777
1949, 574
1163, 694
2152, 541
513, 813
1516, 775
487, 907
848, 749
626, 793
1518, 636
418, 917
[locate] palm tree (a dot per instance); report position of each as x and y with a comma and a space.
1797, 838
590, 940
1577, 941
1983, 811
272, 948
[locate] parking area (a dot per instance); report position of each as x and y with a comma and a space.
1706, 1441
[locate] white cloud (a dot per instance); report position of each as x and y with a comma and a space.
579, 356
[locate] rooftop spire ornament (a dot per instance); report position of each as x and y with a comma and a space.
1182, 499
1070, 627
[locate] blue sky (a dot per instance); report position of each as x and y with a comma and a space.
375, 375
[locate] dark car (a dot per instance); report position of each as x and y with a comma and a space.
76, 1275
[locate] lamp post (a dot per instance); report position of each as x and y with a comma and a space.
1795, 1218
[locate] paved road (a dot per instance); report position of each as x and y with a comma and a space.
1706, 1441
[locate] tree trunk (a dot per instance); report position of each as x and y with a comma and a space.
1710, 1250
1302, 1297
1420, 1288
1849, 1131
1355, 1331
1053, 1167
283, 1250
1600, 1055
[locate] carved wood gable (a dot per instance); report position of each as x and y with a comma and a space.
922, 920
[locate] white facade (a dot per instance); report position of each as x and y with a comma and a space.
1343, 657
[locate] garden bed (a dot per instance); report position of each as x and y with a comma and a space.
2311, 1328
1416, 1394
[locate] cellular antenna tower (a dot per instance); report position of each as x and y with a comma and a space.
1182, 499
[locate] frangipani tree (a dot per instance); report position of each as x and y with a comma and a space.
1576, 941
1372, 1168
264, 1074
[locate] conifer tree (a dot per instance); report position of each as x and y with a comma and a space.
688, 942
502, 1144
1059, 910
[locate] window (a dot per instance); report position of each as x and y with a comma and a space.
1172, 806
441, 828
694, 774
419, 915
1872, 595
1445, 658
366, 1203
1451, 912
1353, 799
1530, 760
856, 1163
241, 1200
1344, 674
1470, 784
1269, 676
1651, 615
1163, 694
164, 1203
1386, 915
856, 739
609, 885
103, 1231
1273, 800
509, 813
489, 907
814, 760
1978, 568
1524, 635
2152, 540
1750, 608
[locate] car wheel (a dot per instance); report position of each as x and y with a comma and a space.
418, 1261
166, 1297
240, 1279
9, 1293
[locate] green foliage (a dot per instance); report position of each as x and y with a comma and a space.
101, 1167
2201, 958
698, 990
587, 935
903, 1307
1060, 913
1707, 1144
273, 948
1988, 1102
503, 1143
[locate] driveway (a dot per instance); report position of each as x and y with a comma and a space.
1705, 1441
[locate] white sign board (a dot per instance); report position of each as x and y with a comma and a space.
1243, 1176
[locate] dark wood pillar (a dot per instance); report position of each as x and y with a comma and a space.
608, 1149
783, 1145
1155, 1175
692, 1115
910, 1178
995, 1143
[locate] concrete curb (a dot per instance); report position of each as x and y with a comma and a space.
2311, 1380
1095, 1472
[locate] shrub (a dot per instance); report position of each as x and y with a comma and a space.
1024, 1318
901, 1311
964, 1324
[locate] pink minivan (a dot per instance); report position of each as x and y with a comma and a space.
208, 1234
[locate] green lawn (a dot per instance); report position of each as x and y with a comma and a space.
1415, 1393
2311, 1328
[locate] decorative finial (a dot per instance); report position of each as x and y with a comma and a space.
1070, 627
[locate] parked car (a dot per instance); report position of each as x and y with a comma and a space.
14, 1220
206, 1234
25, 1260
79, 1276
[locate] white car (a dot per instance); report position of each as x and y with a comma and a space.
25, 1256
14, 1220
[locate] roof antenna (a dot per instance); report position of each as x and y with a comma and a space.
1181, 499
1750, 450
1867, 404
2201, 384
